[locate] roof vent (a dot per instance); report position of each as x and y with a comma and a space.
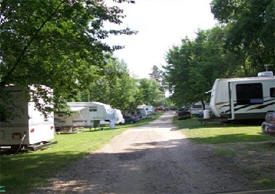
265, 74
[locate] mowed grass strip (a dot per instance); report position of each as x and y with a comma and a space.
21, 172
216, 133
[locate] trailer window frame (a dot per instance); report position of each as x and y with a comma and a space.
249, 93
92, 109
272, 92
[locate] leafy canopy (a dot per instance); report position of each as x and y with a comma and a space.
57, 43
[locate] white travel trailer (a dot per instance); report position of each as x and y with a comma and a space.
84, 114
119, 116
243, 98
27, 126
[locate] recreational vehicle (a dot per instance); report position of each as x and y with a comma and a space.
84, 114
27, 126
119, 117
243, 98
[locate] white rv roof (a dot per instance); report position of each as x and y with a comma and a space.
247, 78
75, 109
78, 104
101, 104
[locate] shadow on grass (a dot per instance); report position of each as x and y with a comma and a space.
23, 171
158, 167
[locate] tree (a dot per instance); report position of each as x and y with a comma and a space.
193, 67
57, 43
150, 92
114, 86
157, 74
251, 29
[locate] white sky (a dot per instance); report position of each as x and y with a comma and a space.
160, 25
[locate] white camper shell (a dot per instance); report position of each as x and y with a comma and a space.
84, 114
243, 98
27, 126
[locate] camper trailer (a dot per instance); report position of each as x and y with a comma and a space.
243, 98
27, 126
119, 117
84, 114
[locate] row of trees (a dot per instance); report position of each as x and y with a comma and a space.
114, 85
239, 46
59, 43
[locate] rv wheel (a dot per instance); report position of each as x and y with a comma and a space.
15, 148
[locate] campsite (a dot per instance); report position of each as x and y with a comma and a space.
137, 96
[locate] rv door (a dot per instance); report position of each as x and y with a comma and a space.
232, 96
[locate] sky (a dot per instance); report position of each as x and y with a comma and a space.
161, 24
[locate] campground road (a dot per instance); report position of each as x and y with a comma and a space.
155, 158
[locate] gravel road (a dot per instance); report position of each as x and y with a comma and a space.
155, 158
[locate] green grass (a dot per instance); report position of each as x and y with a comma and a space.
24, 171
215, 133
265, 183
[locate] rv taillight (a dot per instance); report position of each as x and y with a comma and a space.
32, 130
52, 127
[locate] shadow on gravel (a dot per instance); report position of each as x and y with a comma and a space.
152, 167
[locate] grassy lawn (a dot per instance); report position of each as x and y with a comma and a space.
215, 133
24, 171
244, 146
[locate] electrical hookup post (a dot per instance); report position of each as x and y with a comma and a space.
2, 190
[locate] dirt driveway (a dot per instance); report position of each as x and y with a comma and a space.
155, 158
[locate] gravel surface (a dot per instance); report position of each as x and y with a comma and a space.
155, 158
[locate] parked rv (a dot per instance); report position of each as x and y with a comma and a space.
84, 114
243, 98
28, 126
119, 117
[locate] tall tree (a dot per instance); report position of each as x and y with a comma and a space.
114, 86
57, 43
150, 92
251, 28
193, 67
157, 74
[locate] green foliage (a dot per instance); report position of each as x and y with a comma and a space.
157, 74
150, 92
251, 28
113, 86
55, 43
193, 67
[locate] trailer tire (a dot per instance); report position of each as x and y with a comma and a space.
15, 148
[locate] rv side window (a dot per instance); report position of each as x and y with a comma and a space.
249, 93
272, 92
92, 109
3, 117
